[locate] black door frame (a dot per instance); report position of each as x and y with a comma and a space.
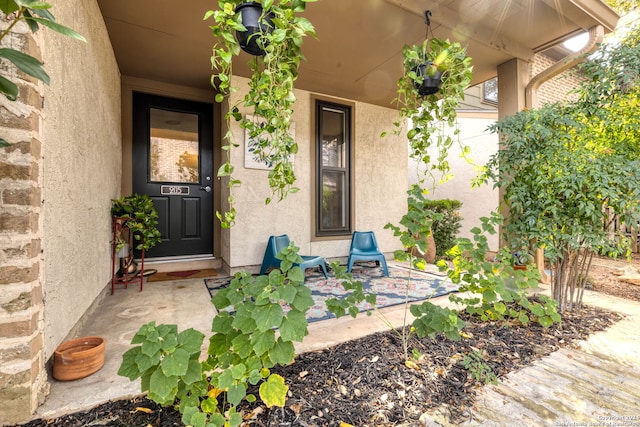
142, 101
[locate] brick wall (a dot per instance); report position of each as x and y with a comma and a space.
23, 379
557, 88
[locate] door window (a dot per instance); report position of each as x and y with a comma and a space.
173, 147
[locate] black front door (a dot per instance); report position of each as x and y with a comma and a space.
173, 164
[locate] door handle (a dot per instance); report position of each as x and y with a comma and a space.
207, 188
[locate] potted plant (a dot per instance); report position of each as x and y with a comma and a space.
138, 214
436, 74
279, 33
256, 23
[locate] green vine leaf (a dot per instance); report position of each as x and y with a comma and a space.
273, 391
271, 90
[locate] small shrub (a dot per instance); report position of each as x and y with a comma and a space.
477, 366
486, 288
446, 227
242, 350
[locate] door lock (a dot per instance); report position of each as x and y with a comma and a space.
207, 188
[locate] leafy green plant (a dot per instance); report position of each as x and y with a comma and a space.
34, 13
428, 114
258, 320
477, 366
140, 217
414, 227
445, 228
567, 169
493, 289
166, 361
271, 89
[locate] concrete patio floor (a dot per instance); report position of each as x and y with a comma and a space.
599, 379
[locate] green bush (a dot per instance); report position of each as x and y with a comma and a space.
445, 229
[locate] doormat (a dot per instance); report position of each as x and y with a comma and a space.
178, 275
390, 290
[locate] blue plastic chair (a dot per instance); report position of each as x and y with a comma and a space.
278, 243
365, 248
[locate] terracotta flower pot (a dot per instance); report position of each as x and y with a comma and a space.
78, 358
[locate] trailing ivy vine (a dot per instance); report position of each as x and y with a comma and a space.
430, 115
271, 90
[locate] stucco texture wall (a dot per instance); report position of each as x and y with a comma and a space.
380, 184
476, 202
82, 162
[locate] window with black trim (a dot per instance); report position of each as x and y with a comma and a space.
333, 169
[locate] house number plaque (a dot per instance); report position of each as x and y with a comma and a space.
174, 190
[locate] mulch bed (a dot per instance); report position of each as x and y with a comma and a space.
366, 383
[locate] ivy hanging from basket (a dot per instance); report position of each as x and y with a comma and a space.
276, 41
436, 75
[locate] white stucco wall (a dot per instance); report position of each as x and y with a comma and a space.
380, 184
476, 202
82, 158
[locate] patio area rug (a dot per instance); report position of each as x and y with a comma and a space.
178, 275
390, 290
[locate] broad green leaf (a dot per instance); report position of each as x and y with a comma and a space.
273, 392
268, 316
146, 362
193, 417
243, 320
217, 420
243, 346
296, 275
218, 344
545, 321
303, 300
9, 89
26, 63
238, 371
282, 353
222, 323
150, 348
235, 419
191, 340
162, 389
263, 342
294, 326
129, 367
176, 363
236, 393
8, 6
287, 293
59, 28
194, 372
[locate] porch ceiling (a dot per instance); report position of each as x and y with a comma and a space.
358, 51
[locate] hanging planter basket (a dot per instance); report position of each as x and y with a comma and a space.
256, 24
430, 81
78, 358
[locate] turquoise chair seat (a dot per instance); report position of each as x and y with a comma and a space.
364, 247
278, 243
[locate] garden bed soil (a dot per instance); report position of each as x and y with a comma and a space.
365, 382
